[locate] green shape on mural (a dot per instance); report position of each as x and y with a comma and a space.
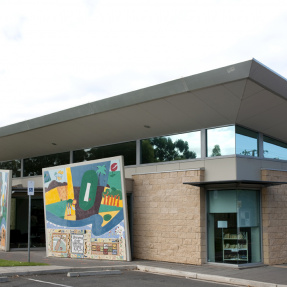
88, 190
115, 180
107, 208
58, 208
107, 217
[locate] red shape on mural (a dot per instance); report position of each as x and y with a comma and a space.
114, 166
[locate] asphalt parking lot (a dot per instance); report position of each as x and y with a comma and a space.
126, 279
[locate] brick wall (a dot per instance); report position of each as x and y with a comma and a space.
169, 217
274, 218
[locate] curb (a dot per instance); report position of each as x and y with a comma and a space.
94, 273
207, 277
62, 270
117, 269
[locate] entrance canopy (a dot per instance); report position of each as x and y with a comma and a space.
235, 184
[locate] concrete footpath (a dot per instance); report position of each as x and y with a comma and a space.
263, 276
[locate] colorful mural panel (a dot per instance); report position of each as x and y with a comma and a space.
5, 201
85, 210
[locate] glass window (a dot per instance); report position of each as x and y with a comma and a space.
221, 141
14, 165
274, 149
33, 166
222, 201
127, 150
234, 235
170, 148
246, 141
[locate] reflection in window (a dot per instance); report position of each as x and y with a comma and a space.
128, 150
246, 142
221, 141
170, 148
14, 165
33, 166
274, 149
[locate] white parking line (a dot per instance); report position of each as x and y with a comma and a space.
48, 282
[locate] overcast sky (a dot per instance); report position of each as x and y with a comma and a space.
56, 54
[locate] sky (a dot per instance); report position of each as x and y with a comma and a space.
57, 54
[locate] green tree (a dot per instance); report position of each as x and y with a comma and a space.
249, 152
14, 165
246, 152
183, 148
147, 152
34, 165
164, 149
216, 151
103, 176
161, 149
128, 150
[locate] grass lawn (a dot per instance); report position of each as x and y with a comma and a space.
11, 263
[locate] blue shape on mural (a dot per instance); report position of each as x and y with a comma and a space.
96, 221
3, 222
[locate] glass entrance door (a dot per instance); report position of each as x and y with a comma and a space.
234, 226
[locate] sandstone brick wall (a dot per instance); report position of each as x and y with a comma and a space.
274, 218
169, 217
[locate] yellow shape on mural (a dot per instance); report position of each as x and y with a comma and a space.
3, 236
104, 202
70, 183
52, 196
70, 213
112, 213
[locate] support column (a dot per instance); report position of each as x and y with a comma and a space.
203, 143
138, 152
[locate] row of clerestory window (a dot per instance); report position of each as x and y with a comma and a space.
219, 141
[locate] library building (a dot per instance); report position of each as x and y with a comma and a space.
204, 168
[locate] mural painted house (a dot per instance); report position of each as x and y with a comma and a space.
205, 163
5, 198
85, 210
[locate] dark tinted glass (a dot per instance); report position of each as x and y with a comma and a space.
127, 150
14, 165
34, 165
170, 148
246, 141
274, 149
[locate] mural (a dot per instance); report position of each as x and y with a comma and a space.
5, 201
85, 210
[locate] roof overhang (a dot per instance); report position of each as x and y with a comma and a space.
235, 184
247, 94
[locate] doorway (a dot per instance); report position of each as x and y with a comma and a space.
19, 221
234, 229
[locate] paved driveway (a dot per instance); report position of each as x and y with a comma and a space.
126, 279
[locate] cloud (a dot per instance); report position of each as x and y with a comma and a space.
13, 30
56, 54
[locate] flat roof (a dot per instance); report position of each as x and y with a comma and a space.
247, 94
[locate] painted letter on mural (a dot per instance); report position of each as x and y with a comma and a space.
85, 206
